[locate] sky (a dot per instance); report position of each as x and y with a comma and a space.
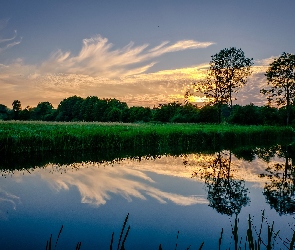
140, 52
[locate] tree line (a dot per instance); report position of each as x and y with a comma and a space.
92, 108
227, 73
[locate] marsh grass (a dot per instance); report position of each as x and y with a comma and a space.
123, 235
263, 236
255, 237
29, 137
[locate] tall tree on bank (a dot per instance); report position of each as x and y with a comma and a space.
16, 107
281, 79
228, 72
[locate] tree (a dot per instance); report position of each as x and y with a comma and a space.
68, 108
245, 115
208, 114
43, 111
114, 115
279, 191
225, 194
165, 112
3, 112
16, 107
26, 113
137, 114
281, 79
186, 113
228, 72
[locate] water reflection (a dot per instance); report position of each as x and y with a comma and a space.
279, 189
7, 201
97, 183
225, 194
224, 175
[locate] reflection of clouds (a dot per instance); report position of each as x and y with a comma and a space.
174, 166
129, 178
7, 201
96, 185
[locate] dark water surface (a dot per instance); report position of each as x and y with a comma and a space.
195, 194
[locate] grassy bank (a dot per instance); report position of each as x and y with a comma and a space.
28, 137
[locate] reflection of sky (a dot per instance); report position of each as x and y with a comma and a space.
89, 199
97, 184
7, 201
130, 179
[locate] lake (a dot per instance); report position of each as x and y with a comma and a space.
178, 201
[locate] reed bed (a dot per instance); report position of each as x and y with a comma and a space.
256, 237
27, 137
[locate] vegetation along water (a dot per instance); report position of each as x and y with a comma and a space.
16, 137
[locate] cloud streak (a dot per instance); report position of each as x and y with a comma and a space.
98, 58
97, 185
100, 69
7, 43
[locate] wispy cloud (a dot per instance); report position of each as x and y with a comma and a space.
91, 72
98, 58
6, 43
99, 69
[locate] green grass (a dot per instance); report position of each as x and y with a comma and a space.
18, 137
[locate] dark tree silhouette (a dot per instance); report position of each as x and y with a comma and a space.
279, 190
228, 72
67, 109
281, 80
225, 194
3, 112
43, 111
16, 107
245, 115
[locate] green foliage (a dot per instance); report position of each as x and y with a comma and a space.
114, 115
16, 137
67, 109
44, 112
269, 115
281, 81
138, 114
208, 114
186, 114
4, 112
247, 115
92, 109
165, 112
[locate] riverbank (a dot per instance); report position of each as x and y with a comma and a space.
23, 137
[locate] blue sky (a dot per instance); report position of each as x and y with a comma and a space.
141, 52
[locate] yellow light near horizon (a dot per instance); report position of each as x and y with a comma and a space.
198, 99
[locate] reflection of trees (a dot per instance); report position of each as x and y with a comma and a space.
279, 191
225, 194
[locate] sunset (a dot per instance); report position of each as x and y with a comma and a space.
156, 124
142, 53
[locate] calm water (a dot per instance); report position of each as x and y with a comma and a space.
195, 194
